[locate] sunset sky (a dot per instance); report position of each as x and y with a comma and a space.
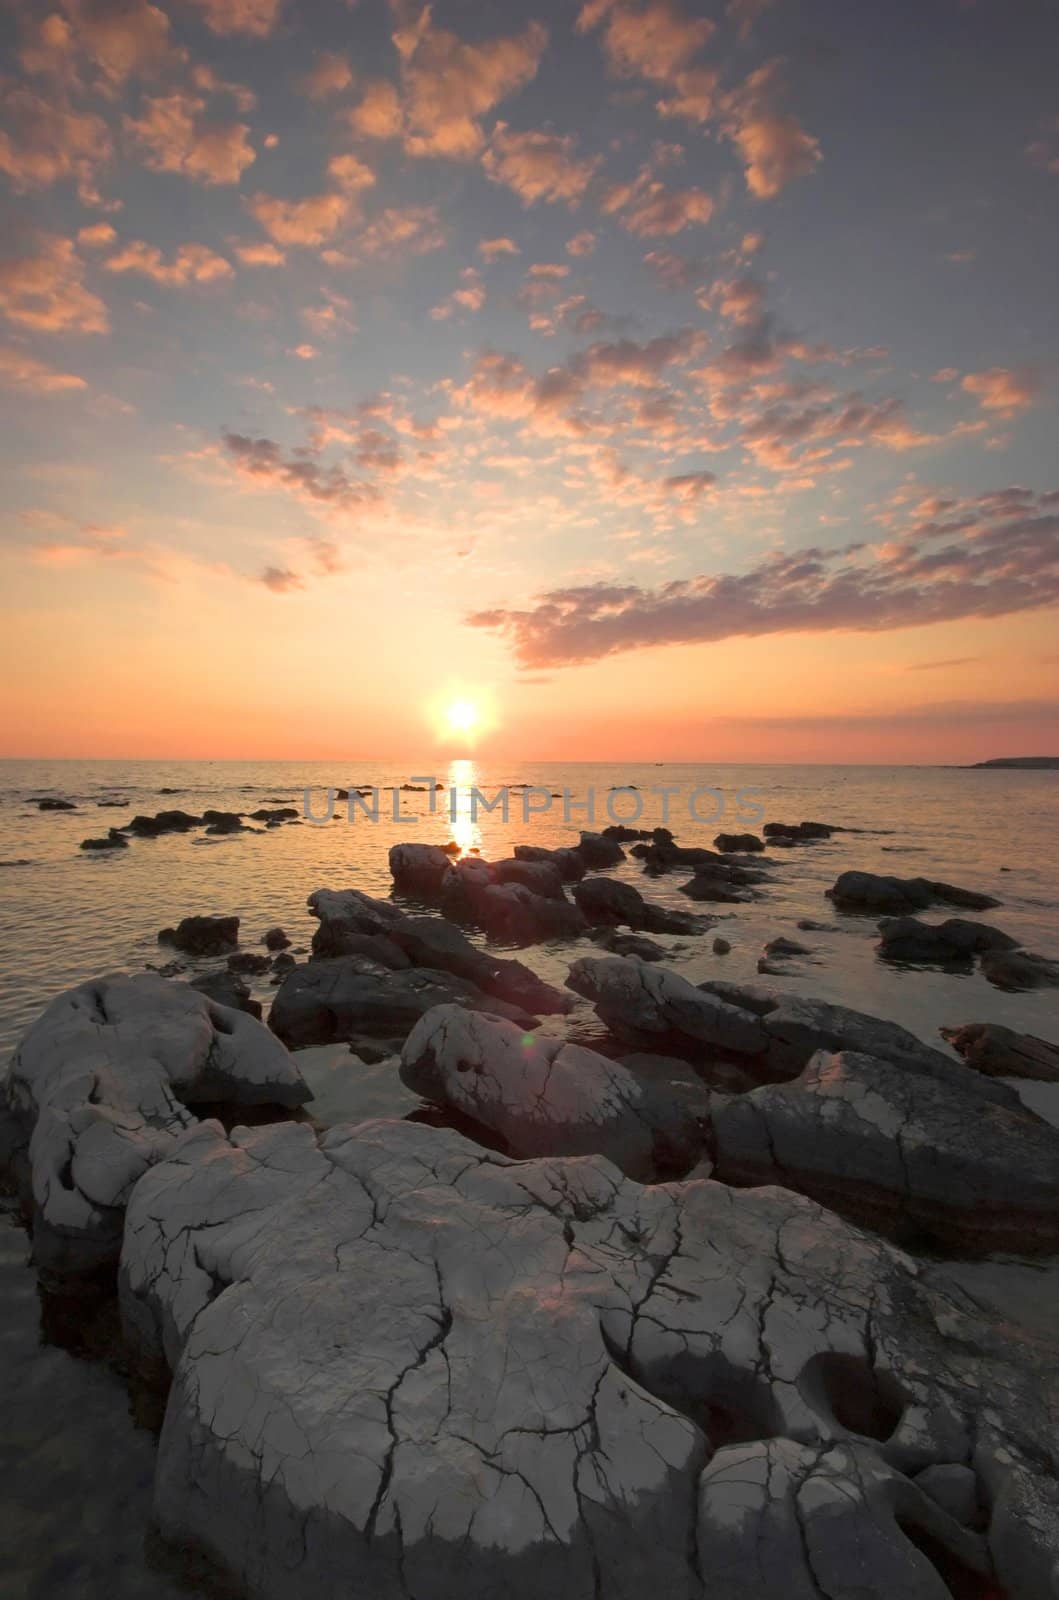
660, 381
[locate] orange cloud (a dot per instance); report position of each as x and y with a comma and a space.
260, 254
176, 137
21, 371
191, 263
492, 248
470, 296
538, 165
582, 244
119, 37
415, 230
44, 141
655, 40
378, 115
1006, 390
774, 148
299, 222
46, 292
350, 174
330, 75
254, 17
648, 209
96, 236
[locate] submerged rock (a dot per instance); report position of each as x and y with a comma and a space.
736, 843
868, 891
607, 902
800, 832
547, 1097
98, 1089
1020, 969
628, 944
1003, 1053
407, 1364
907, 1154
55, 805
908, 939
111, 841
163, 822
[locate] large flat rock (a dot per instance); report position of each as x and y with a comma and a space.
403, 1365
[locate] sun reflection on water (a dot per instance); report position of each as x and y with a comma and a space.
462, 778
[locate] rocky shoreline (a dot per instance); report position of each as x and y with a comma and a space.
688, 1307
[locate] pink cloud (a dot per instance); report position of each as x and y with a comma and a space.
260, 254
176, 136
96, 236
492, 249
980, 563
774, 148
46, 292
582, 244
538, 165
281, 580
648, 209
18, 370
190, 264
299, 222
412, 230
448, 86
1005, 390
350, 173
330, 74
655, 40
119, 37
378, 114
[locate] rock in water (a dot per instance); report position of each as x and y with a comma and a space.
403, 1365
868, 891
957, 940
900, 1152
1003, 1053
546, 1097
203, 936
596, 850
98, 1089
419, 868
606, 902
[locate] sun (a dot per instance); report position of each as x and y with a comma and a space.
462, 716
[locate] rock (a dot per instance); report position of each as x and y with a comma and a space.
284, 962
772, 969
227, 988
897, 1151
547, 1097
954, 1487
542, 877
596, 850
797, 1026
623, 835
404, 1365
782, 946
721, 947
327, 1002
868, 891
55, 805
708, 887
164, 822
799, 832
203, 936
98, 1089
224, 822
276, 939
1003, 1053
628, 944
276, 814
954, 941
608, 902
636, 1001
508, 912
807, 925
571, 863
728, 843
112, 841
249, 961
418, 869
1019, 969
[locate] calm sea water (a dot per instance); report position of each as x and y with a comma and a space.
73, 1532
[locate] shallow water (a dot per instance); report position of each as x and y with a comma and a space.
66, 915
78, 1473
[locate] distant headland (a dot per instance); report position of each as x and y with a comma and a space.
1039, 762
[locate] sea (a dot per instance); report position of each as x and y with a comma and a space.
74, 1518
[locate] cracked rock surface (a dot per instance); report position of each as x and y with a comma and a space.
406, 1366
547, 1097
98, 1088
901, 1152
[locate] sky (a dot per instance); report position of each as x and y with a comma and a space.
618, 380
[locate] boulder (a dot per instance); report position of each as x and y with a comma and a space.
276, 939
404, 1365
868, 891
799, 832
624, 835
249, 961
782, 946
1003, 1053
508, 912
607, 902
570, 862
275, 814
98, 1089
596, 850
1015, 970
714, 890
203, 936
327, 1002
111, 841
418, 869
544, 1096
721, 947
224, 822
955, 941
542, 877
909, 1155
642, 1002
730, 843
